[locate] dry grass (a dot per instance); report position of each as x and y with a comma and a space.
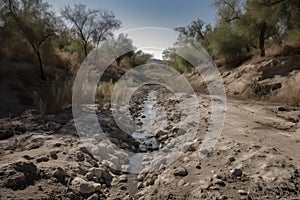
103, 94
283, 50
53, 96
292, 94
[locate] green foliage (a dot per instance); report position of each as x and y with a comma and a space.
33, 20
293, 35
176, 61
226, 43
242, 26
135, 59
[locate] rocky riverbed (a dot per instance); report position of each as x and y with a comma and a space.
257, 156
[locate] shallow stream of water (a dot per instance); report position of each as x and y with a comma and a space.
144, 136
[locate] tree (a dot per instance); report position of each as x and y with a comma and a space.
261, 21
36, 23
228, 10
123, 43
257, 20
91, 25
197, 30
289, 13
226, 43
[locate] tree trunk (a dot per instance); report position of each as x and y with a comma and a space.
38, 53
85, 49
262, 40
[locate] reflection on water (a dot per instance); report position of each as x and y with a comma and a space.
143, 136
148, 116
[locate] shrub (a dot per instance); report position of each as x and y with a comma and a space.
53, 96
103, 94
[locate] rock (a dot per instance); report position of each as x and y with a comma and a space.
180, 171
42, 159
34, 145
16, 181
123, 179
84, 187
242, 192
122, 187
222, 197
80, 156
149, 181
198, 166
97, 172
140, 185
204, 153
106, 177
21, 129
27, 157
236, 172
5, 134
181, 183
53, 155
124, 145
191, 147
219, 183
93, 197
126, 168
84, 150
57, 144
89, 176
28, 169
282, 109
141, 176
81, 170
160, 133
109, 164
60, 174
231, 159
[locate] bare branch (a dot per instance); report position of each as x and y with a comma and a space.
272, 3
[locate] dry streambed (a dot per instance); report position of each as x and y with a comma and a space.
256, 157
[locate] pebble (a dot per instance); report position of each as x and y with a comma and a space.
236, 172
180, 171
181, 183
140, 185
80, 156
53, 155
242, 192
149, 181
42, 159
97, 172
60, 173
93, 197
141, 177
123, 179
219, 182
84, 187
231, 159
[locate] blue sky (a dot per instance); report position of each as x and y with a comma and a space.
150, 13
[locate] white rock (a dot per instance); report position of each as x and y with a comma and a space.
84, 187
97, 172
